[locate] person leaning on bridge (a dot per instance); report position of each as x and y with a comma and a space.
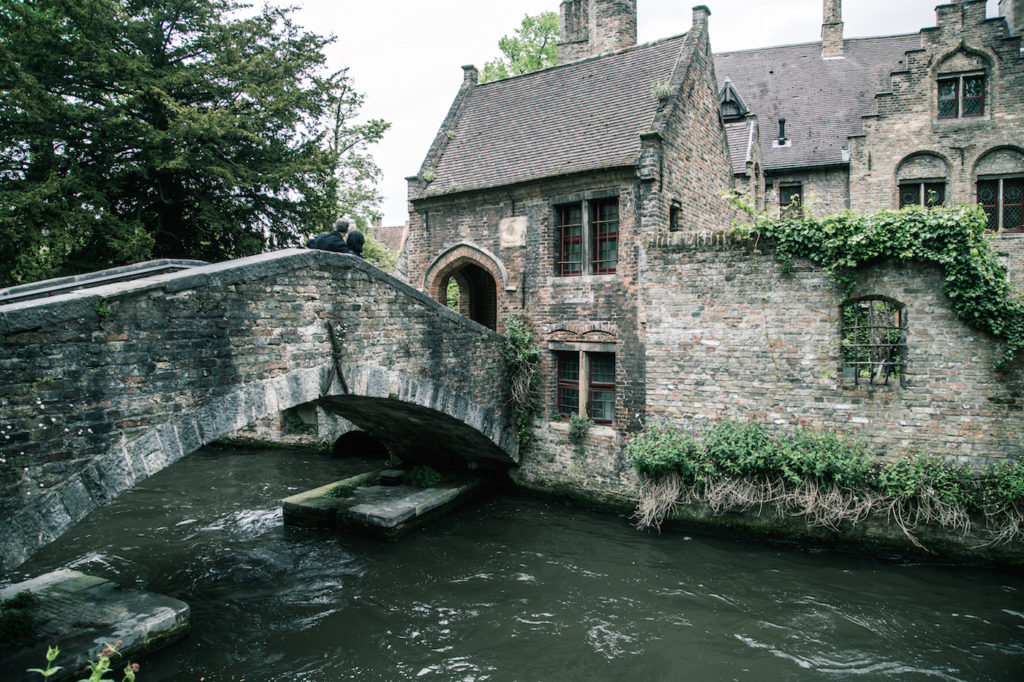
355, 242
335, 240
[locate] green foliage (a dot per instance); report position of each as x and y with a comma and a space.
157, 129
375, 252
917, 475
521, 356
451, 294
533, 46
102, 308
17, 619
422, 476
952, 238
293, 425
824, 476
578, 427
52, 653
744, 449
1005, 486
662, 449
823, 457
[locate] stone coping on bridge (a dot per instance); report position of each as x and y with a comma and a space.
362, 505
83, 614
83, 303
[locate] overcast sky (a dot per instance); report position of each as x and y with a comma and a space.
406, 55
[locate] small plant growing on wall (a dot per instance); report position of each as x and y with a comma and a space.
521, 356
578, 427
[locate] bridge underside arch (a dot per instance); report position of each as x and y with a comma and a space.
418, 419
414, 433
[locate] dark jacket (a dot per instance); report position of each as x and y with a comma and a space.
330, 241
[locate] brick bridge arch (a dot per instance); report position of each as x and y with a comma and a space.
106, 386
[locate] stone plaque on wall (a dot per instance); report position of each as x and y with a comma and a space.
513, 231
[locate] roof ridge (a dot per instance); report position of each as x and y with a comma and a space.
592, 58
814, 42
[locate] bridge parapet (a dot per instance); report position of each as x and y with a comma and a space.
102, 387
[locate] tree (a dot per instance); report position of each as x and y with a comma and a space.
533, 46
136, 129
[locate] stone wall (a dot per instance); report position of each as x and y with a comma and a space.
730, 334
106, 386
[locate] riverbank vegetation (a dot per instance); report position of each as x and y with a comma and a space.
828, 479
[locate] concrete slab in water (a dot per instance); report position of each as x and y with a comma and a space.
359, 504
82, 614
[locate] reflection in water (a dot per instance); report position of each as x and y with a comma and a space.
519, 589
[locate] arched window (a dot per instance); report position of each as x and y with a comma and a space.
1000, 187
874, 341
921, 180
961, 84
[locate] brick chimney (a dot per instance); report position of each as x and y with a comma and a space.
832, 30
592, 27
1013, 12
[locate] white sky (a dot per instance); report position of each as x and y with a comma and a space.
406, 55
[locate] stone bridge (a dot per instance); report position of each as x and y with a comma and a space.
102, 387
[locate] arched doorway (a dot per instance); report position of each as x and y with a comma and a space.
471, 290
466, 278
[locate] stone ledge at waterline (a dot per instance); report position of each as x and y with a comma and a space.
360, 505
83, 614
877, 535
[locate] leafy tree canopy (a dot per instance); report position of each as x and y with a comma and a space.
137, 129
533, 46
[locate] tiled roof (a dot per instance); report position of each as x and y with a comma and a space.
822, 100
391, 236
571, 118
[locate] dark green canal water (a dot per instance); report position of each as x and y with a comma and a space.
515, 588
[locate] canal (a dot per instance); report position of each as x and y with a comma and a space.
516, 588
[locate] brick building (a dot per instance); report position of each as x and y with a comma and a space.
588, 197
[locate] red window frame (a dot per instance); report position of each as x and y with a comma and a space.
566, 362
604, 224
957, 103
570, 238
600, 387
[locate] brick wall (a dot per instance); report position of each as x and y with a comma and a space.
728, 334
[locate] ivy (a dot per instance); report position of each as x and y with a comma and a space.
952, 238
521, 355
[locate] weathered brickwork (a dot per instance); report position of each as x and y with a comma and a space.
908, 122
825, 190
107, 386
728, 334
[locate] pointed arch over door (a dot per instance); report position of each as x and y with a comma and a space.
478, 277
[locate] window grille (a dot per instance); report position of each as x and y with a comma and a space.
874, 341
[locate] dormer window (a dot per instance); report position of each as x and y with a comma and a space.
961, 96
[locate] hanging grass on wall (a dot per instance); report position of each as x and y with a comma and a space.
953, 238
521, 355
826, 478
